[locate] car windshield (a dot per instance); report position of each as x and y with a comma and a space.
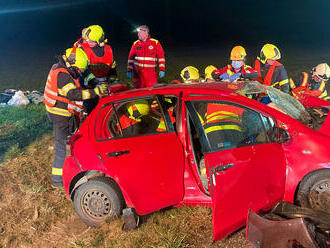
279, 100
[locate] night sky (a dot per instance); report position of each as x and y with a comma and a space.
45, 28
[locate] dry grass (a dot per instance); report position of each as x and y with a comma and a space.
33, 214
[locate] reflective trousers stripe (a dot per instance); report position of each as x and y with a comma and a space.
58, 111
57, 171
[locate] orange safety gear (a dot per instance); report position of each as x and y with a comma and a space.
238, 53
51, 95
268, 78
99, 66
142, 61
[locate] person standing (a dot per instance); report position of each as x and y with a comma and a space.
101, 63
62, 97
271, 72
142, 59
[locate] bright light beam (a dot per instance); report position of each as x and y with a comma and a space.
42, 7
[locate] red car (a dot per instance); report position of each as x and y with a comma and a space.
198, 144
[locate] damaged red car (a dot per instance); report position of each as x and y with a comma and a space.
199, 144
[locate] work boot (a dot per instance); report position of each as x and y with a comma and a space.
57, 184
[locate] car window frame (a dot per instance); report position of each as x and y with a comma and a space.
206, 146
168, 123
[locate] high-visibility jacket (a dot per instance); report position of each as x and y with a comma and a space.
280, 82
246, 71
55, 95
145, 54
142, 61
222, 117
162, 126
316, 88
96, 62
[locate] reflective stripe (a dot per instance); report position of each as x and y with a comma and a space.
64, 91
324, 94
322, 86
51, 101
85, 94
223, 127
130, 61
160, 60
89, 77
50, 91
222, 113
58, 111
292, 84
146, 58
222, 117
144, 65
130, 67
285, 81
57, 171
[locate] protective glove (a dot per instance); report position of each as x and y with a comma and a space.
234, 77
101, 90
161, 74
129, 74
224, 76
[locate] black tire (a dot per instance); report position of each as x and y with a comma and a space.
314, 191
98, 200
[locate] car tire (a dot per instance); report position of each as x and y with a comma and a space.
98, 200
314, 191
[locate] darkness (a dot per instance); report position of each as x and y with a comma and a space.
32, 34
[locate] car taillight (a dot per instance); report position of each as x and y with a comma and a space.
70, 142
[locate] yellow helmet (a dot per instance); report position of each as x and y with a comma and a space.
238, 53
137, 109
189, 73
322, 71
76, 57
93, 33
269, 51
208, 71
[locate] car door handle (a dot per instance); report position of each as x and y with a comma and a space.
223, 167
117, 153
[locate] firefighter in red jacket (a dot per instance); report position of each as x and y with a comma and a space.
237, 69
101, 63
62, 97
314, 81
142, 60
271, 72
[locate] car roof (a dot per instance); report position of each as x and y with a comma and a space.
223, 88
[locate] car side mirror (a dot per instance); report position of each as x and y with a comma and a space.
279, 135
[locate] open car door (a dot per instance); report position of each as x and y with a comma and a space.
246, 169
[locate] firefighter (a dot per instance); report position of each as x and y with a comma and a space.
209, 73
62, 97
101, 62
237, 69
270, 71
142, 60
315, 81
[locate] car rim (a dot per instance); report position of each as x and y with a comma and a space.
319, 197
96, 204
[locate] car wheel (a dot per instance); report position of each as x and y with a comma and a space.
98, 200
314, 191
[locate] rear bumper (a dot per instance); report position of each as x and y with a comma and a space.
70, 170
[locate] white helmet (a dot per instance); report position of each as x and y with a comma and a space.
322, 71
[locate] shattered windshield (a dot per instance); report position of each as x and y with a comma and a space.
282, 101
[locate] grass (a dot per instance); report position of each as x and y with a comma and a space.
19, 126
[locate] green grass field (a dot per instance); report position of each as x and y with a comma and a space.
32, 214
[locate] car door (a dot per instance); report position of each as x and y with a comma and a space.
245, 169
146, 161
